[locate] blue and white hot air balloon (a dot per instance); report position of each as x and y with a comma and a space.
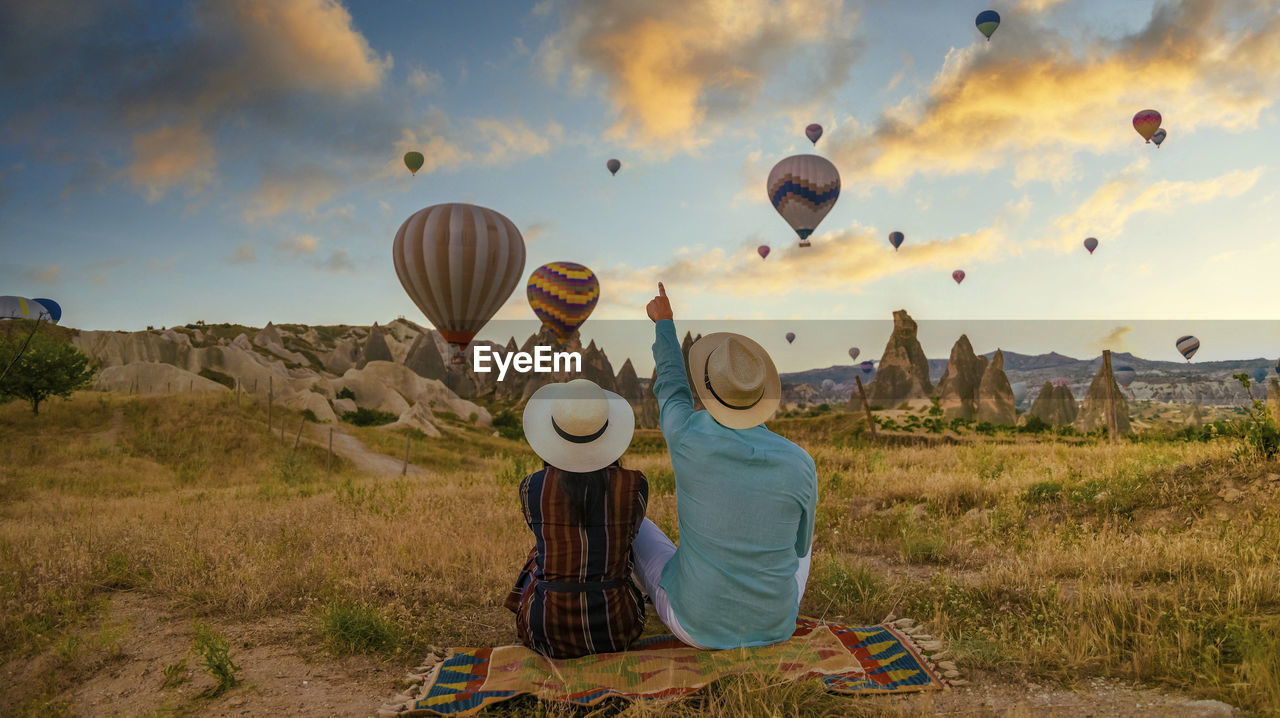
1259, 375
1187, 346
803, 189
23, 308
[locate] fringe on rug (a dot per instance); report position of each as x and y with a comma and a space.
937, 656
423, 675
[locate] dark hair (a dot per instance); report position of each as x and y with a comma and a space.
586, 492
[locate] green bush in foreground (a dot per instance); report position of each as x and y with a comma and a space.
368, 417
214, 650
351, 627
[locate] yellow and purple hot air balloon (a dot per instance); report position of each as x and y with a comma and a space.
958, 275
803, 189
1091, 244
613, 166
896, 239
813, 132
1146, 123
458, 263
1187, 346
563, 294
987, 22
414, 161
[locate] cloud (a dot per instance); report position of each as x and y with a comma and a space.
304, 188
1105, 213
338, 262
166, 265
243, 254
675, 70
168, 157
839, 262
425, 81
298, 246
45, 275
534, 231
447, 145
99, 270
1115, 339
1035, 99
1034, 6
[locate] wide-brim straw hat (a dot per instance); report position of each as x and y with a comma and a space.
735, 379
578, 426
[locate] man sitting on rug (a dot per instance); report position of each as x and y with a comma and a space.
746, 497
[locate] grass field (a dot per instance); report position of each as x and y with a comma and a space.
124, 519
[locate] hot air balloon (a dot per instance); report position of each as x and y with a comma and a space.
803, 189
1187, 346
1259, 375
414, 160
1146, 123
458, 263
958, 275
563, 294
1158, 137
854, 352
1019, 391
791, 337
1091, 244
828, 384
1125, 376
614, 166
987, 22
1278, 367
813, 132
867, 366
896, 239
763, 251
55, 309
22, 308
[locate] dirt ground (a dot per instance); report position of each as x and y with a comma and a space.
286, 672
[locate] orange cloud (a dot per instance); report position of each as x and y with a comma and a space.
673, 68
487, 141
1034, 99
304, 189
172, 156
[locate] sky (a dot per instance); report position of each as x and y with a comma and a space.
240, 161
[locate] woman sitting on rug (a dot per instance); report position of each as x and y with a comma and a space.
575, 595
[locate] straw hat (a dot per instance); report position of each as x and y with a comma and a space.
735, 379
577, 426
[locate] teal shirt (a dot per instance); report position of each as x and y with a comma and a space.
746, 500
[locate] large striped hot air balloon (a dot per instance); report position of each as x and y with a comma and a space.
1146, 123
987, 22
563, 294
813, 132
803, 189
458, 263
1187, 346
896, 239
23, 308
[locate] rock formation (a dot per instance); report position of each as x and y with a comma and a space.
628, 386
958, 389
386, 386
151, 378
995, 395
1093, 413
424, 359
1273, 398
1055, 406
375, 348
903, 372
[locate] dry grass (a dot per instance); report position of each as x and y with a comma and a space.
1033, 559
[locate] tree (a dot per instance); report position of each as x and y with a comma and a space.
47, 368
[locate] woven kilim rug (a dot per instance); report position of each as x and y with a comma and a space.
895, 657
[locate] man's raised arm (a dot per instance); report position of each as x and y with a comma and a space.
675, 400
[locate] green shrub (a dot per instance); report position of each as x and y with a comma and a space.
368, 417
310, 416
1042, 492
351, 627
1034, 425
346, 393
214, 375
507, 424
214, 650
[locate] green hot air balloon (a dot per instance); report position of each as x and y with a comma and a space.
414, 160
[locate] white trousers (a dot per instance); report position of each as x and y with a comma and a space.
652, 550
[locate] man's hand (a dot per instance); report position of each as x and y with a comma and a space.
660, 307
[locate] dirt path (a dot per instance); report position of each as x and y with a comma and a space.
110, 435
351, 449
